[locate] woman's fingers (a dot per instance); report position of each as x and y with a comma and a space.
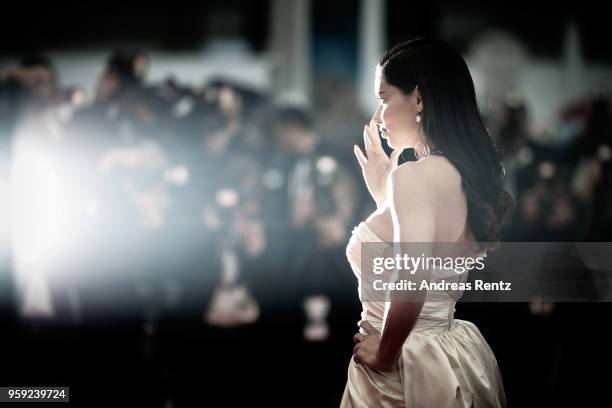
357, 338
394, 157
373, 136
367, 141
373, 146
360, 157
367, 326
374, 131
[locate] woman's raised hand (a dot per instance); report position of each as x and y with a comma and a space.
375, 164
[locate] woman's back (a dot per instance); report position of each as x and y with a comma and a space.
450, 205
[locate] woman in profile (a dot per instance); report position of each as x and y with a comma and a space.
414, 353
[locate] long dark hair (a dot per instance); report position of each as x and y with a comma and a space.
452, 121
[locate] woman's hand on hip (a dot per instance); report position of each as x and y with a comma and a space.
366, 348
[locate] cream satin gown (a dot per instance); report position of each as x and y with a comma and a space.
445, 362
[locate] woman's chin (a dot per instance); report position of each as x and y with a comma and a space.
396, 144
392, 142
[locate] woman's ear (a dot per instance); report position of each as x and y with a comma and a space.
419, 99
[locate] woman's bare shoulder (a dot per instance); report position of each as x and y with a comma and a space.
434, 171
435, 166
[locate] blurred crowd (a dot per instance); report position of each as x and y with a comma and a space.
214, 199
204, 199
560, 178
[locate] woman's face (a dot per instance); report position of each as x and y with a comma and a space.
396, 113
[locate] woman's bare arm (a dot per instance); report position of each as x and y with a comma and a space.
413, 213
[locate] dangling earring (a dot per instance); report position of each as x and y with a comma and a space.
418, 117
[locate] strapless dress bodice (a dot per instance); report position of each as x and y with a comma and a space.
439, 306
